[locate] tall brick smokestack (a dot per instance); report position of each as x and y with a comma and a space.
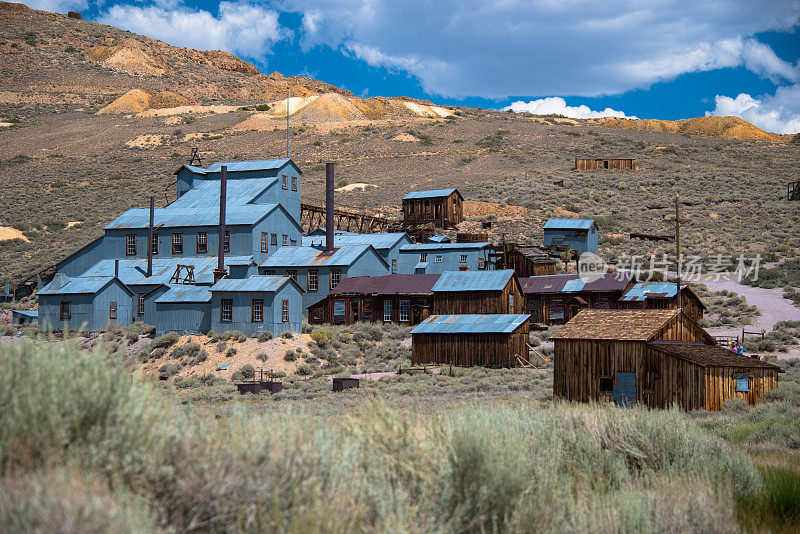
220, 271
329, 207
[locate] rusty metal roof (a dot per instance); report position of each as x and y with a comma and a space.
471, 324
433, 193
473, 280
311, 257
572, 283
392, 284
618, 325
709, 355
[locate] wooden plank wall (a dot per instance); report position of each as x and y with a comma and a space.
592, 164
468, 350
720, 385
460, 302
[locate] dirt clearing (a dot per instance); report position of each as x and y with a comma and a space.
7, 233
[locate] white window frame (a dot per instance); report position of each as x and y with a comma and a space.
337, 275
294, 183
404, 311
226, 310
437, 258
511, 303
264, 242
481, 263
130, 245
154, 244
140, 304
394, 266
387, 311
313, 280
202, 239
257, 310
285, 310
284, 182
423, 257
177, 239
273, 239
463, 258
285, 240
226, 241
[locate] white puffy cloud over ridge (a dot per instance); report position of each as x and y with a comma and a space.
558, 106
779, 113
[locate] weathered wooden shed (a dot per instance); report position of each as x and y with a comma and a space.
662, 295
656, 358
591, 163
397, 298
441, 207
526, 260
471, 340
463, 292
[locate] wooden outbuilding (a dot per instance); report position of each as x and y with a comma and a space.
396, 298
441, 207
526, 260
590, 163
661, 296
458, 292
499, 340
656, 358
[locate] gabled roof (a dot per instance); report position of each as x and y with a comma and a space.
241, 166
64, 285
618, 325
572, 283
471, 324
257, 283
171, 217
185, 293
535, 254
433, 193
205, 194
707, 355
391, 284
313, 257
444, 247
439, 239
379, 241
569, 224
133, 272
473, 280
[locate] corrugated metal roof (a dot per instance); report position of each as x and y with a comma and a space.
310, 256
444, 246
644, 290
433, 193
379, 241
26, 313
78, 285
568, 224
259, 283
572, 283
621, 325
182, 293
546, 284
251, 165
205, 194
473, 280
421, 265
439, 239
170, 217
391, 284
133, 272
470, 324
709, 355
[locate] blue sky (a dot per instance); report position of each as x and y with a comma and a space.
664, 59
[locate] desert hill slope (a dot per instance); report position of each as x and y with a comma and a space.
722, 127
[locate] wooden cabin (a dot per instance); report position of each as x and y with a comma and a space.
458, 292
661, 296
558, 298
526, 260
441, 207
396, 298
589, 163
471, 340
656, 358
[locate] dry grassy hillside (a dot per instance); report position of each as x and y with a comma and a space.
68, 170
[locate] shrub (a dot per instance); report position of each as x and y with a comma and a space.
287, 335
262, 107
290, 356
230, 353
168, 370
187, 350
234, 335
222, 346
189, 382
304, 370
165, 341
247, 371
262, 357
265, 336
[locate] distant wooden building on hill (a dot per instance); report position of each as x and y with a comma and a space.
656, 358
526, 260
590, 163
441, 207
662, 295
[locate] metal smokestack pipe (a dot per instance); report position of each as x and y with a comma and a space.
329, 207
116, 268
150, 237
220, 271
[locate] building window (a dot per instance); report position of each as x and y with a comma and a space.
112, 310
294, 242
294, 183
336, 275
66, 309
743, 383
177, 243
154, 244
313, 280
423, 257
339, 308
226, 310
130, 245
481, 263
226, 242
403, 310
285, 310
264, 242
387, 311
510, 303
257, 311
270, 272
437, 258
394, 266
463, 258
140, 305
285, 241
283, 182
202, 242
411, 208
292, 273
273, 239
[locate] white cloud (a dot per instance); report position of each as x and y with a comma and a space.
493, 48
241, 28
779, 113
57, 6
558, 106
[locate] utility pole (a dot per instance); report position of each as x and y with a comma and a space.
288, 99
678, 246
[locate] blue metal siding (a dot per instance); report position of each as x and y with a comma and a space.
88, 311
278, 222
242, 311
188, 317
80, 261
581, 244
451, 260
151, 294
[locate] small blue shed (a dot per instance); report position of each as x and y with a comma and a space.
436, 258
87, 302
257, 304
580, 235
23, 317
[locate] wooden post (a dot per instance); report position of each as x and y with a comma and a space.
678, 249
